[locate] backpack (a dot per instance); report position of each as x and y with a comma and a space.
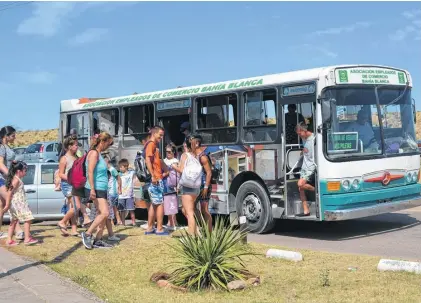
173, 177
141, 170
192, 173
214, 170
76, 176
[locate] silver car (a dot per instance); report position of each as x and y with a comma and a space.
44, 152
44, 202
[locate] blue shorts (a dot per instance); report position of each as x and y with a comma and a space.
125, 204
156, 193
2, 182
66, 189
113, 200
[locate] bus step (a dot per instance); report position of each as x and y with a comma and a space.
277, 197
309, 218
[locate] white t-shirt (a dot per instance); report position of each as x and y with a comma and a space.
169, 162
127, 186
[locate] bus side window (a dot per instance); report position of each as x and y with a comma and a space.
137, 122
217, 118
260, 116
106, 121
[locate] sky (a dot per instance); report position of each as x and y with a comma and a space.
52, 51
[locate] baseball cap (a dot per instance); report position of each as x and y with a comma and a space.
185, 125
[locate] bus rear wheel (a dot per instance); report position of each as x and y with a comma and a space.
253, 202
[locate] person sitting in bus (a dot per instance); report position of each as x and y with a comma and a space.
185, 128
364, 130
308, 168
291, 121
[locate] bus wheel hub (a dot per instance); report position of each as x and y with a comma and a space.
252, 208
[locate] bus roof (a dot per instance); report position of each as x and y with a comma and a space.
227, 86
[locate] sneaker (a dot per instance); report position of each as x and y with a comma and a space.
12, 243
101, 244
113, 238
3, 235
20, 236
143, 226
31, 241
87, 240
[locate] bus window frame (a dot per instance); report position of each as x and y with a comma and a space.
277, 117
123, 121
118, 125
238, 113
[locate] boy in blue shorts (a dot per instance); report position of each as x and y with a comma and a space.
126, 197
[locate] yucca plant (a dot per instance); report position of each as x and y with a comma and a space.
210, 260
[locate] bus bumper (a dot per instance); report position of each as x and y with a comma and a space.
381, 208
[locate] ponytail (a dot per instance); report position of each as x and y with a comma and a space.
14, 167
98, 138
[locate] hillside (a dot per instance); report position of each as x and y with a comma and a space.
29, 137
26, 138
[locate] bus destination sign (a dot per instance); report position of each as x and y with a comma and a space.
343, 142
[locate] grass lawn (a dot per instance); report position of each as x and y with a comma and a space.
122, 274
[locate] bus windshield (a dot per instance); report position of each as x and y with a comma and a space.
354, 122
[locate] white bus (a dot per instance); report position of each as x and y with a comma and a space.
250, 136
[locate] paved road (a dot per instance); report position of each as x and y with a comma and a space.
393, 235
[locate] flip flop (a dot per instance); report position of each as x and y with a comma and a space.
150, 232
63, 230
303, 215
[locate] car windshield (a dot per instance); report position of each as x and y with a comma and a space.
354, 129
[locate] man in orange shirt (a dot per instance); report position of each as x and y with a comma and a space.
156, 187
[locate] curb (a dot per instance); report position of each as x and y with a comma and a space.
395, 265
284, 254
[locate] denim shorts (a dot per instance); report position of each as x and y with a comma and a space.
66, 189
206, 199
156, 193
2, 182
188, 191
125, 204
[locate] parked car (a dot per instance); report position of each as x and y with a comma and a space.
44, 202
19, 150
44, 152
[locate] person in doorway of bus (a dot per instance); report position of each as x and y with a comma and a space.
206, 187
308, 168
185, 128
156, 187
7, 155
292, 118
364, 130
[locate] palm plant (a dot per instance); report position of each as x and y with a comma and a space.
211, 260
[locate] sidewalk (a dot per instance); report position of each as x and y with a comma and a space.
26, 281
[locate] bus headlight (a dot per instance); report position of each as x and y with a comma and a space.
414, 176
346, 184
409, 177
356, 184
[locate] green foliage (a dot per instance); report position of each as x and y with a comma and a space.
212, 259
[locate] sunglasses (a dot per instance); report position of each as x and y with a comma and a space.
169, 151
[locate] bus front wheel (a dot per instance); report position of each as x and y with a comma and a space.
253, 202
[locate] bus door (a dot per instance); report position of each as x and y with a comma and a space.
81, 123
299, 104
171, 115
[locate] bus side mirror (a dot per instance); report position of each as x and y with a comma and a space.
414, 112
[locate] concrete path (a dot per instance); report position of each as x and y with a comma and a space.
28, 281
